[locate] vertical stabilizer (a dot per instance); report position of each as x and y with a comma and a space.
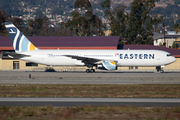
19, 41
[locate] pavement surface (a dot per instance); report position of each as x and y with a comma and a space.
64, 102
100, 77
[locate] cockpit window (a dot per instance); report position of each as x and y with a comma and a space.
169, 55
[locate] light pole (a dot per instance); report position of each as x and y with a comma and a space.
164, 44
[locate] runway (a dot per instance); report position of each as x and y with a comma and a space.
100, 77
64, 102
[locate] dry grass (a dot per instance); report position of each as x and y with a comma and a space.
64, 90
89, 112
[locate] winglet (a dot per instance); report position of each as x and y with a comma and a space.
19, 41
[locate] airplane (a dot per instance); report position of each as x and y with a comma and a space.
101, 59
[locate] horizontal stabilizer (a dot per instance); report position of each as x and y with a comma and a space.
16, 55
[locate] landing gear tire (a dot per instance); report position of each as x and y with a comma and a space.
90, 70
159, 70
87, 70
162, 71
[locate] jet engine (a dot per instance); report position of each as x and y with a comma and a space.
107, 66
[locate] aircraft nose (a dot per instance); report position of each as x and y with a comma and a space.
173, 59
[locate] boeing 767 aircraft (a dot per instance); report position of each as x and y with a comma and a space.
101, 59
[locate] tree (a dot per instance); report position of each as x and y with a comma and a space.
39, 13
141, 23
45, 26
61, 32
174, 45
17, 22
117, 18
177, 29
176, 2
38, 27
83, 22
6, 18
57, 10
161, 45
3, 18
137, 26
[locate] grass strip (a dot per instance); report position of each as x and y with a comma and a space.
89, 112
93, 90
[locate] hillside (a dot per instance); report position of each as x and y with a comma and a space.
60, 10
16, 7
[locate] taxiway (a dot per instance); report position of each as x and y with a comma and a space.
64, 102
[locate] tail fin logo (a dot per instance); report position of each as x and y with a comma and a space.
12, 31
19, 41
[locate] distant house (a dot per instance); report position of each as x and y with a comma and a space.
170, 37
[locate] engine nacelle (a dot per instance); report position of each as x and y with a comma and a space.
107, 66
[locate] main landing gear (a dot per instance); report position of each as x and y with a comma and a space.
159, 69
90, 71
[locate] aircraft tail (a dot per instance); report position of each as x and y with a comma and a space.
19, 41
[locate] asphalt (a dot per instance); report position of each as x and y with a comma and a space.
100, 77
71, 102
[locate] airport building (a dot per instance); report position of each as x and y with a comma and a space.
169, 39
93, 43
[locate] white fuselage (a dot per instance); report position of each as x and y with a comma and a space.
122, 57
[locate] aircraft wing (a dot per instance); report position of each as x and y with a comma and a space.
16, 55
89, 60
